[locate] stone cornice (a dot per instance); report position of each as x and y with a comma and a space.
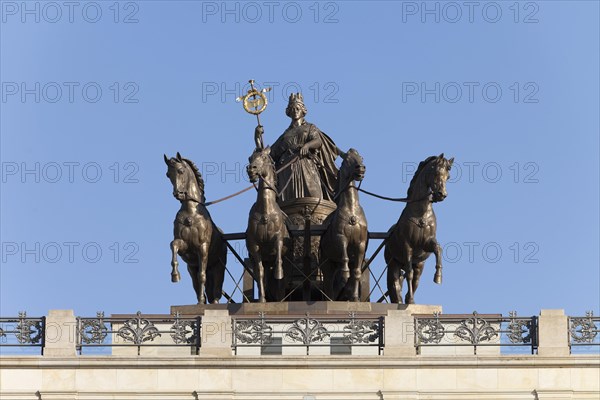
306, 362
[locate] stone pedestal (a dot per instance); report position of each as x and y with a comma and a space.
553, 328
60, 340
400, 329
216, 334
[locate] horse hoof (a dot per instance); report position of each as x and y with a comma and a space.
262, 300
437, 278
175, 277
278, 274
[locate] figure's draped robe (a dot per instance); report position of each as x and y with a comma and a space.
311, 176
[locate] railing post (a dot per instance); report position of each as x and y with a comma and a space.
553, 333
399, 333
60, 338
216, 334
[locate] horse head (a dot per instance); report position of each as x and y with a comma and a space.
352, 169
186, 179
352, 166
260, 164
432, 174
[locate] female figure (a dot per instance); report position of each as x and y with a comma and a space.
314, 173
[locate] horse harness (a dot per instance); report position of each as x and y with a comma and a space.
420, 222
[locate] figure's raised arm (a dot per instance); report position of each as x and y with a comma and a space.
258, 134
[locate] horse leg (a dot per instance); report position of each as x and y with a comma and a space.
203, 262
328, 268
357, 271
218, 276
193, 270
278, 273
395, 279
343, 242
434, 247
410, 294
176, 246
417, 271
254, 251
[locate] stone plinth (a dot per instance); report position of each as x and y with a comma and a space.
60, 334
553, 333
303, 307
216, 334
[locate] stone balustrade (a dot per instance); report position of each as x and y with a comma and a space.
411, 352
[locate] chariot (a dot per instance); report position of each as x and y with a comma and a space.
307, 234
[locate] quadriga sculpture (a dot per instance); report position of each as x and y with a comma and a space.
266, 230
344, 243
197, 239
412, 239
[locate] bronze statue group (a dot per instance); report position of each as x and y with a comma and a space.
297, 180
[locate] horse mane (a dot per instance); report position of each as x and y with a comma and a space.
198, 176
420, 169
271, 163
338, 180
272, 166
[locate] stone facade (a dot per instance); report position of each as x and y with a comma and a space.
216, 373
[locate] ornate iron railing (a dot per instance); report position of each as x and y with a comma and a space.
583, 331
341, 335
138, 331
475, 330
22, 331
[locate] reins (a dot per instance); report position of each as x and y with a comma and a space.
398, 199
293, 160
335, 196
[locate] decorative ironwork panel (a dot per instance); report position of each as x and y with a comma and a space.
362, 331
185, 331
475, 330
93, 330
253, 331
430, 330
520, 330
22, 331
138, 331
307, 332
583, 330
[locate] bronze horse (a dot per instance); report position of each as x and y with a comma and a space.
412, 238
266, 230
344, 243
197, 239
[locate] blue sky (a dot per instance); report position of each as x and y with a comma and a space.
93, 95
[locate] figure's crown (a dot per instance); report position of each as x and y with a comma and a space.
296, 98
